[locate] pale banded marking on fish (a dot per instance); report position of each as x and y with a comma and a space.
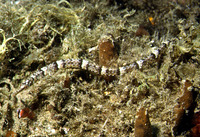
88, 66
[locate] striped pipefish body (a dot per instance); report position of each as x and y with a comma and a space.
87, 65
